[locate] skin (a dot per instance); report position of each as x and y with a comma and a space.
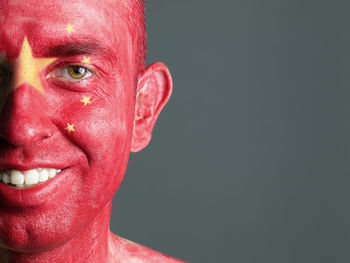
85, 126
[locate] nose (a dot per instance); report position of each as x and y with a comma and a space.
23, 117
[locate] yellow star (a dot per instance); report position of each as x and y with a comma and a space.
70, 127
28, 68
86, 100
70, 28
86, 60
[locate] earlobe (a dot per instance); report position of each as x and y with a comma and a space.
153, 91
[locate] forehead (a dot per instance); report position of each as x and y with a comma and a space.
49, 21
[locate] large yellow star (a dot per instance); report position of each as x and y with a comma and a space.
27, 68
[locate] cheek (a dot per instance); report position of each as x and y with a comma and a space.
102, 131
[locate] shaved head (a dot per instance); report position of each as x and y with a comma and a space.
137, 25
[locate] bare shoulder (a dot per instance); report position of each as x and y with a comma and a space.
130, 252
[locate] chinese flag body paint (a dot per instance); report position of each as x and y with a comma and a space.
82, 126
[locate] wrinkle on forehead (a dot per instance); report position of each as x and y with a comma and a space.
27, 10
102, 12
50, 17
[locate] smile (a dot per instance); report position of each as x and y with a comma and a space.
23, 179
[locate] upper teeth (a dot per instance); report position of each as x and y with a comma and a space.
29, 177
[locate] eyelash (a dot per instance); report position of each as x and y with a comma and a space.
63, 73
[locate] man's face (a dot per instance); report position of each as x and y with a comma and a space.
70, 107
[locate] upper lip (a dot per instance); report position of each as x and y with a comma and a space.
29, 167
5, 165
54, 154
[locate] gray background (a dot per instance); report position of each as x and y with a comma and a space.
249, 160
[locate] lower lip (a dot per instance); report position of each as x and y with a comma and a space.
31, 196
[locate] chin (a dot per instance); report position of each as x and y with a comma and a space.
38, 229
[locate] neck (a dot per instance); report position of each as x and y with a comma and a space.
92, 244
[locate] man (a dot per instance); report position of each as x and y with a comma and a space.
75, 100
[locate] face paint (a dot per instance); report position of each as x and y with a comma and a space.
70, 107
67, 121
28, 68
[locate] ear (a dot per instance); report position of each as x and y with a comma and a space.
153, 91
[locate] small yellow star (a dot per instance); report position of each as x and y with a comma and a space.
70, 28
86, 60
86, 100
70, 127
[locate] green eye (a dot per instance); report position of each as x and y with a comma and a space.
77, 72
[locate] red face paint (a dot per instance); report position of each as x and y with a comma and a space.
71, 107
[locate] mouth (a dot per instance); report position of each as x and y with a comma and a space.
28, 178
36, 187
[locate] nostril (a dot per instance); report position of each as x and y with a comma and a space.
20, 130
25, 117
43, 137
20, 138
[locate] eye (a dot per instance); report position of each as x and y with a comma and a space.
77, 72
71, 73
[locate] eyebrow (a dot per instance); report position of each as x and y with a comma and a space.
75, 48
